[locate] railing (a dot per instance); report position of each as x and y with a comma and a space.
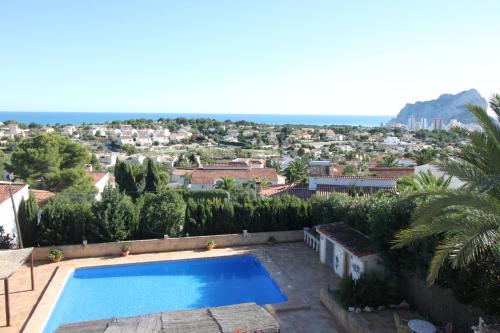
311, 239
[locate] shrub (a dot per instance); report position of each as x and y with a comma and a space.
55, 255
205, 194
370, 289
6, 239
126, 247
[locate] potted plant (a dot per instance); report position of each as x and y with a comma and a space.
211, 244
55, 255
125, 249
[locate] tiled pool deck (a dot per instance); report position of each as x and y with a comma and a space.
294, 266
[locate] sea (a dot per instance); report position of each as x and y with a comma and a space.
78, 118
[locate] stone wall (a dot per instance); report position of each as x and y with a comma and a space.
169, 244
348, 320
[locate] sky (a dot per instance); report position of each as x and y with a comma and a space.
359, 57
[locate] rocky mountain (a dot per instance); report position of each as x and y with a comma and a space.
447, 107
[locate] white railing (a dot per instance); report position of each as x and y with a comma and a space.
311, 239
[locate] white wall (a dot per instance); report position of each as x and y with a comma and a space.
100, 185
7, 219
338, 259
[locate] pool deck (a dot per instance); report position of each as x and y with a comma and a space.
294, 266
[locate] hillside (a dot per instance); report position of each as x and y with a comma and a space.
447, 106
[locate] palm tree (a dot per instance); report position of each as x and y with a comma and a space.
387, 161
226, 183
424, 156
466, 219
424, 181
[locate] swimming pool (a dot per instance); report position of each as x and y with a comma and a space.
134, 289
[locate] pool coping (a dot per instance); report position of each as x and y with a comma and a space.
49, 298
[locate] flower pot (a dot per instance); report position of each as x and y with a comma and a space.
125, 253
54, 260
210, 247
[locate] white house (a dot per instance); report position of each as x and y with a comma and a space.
68, 130
100, 181
125, 139
7, 217
346, 251
345, 148
391, 140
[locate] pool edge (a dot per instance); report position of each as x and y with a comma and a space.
43, 310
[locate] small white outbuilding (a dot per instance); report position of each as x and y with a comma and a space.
347, 251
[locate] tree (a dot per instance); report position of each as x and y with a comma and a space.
423, 181
226, 183
129, 149
161, 214
65, 179
6, 240
467, 220
115, 217
64, 220
387, 161
47, 154
27, 216
126, 180
2, 161
155, 177
96, 164
297, 172
350, 170
424, 156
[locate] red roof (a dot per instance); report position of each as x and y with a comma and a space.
299, 190
207, 176
96, 176
353, 240
41, 195
4, 190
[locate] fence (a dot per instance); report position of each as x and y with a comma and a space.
440, 305
170, 244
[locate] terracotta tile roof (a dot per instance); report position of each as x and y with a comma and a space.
4, 190
394, 172
353, 240
96, 176
41, 196
299, 190
182, 171
204, 176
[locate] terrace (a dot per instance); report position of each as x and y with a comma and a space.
292, 265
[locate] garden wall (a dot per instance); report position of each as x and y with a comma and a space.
348, 320
169, 244
440, 305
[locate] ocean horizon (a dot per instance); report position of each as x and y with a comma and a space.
78, 118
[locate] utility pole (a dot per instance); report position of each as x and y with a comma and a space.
18, 227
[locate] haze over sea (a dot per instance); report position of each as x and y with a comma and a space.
76, 118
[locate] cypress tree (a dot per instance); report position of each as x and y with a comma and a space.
153, 176
27, 215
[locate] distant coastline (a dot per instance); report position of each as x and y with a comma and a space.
77, 118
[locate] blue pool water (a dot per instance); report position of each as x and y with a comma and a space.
135, 289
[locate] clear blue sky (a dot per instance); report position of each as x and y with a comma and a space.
235, 56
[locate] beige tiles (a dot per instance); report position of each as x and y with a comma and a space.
300, 277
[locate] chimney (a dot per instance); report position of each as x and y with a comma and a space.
88, 167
